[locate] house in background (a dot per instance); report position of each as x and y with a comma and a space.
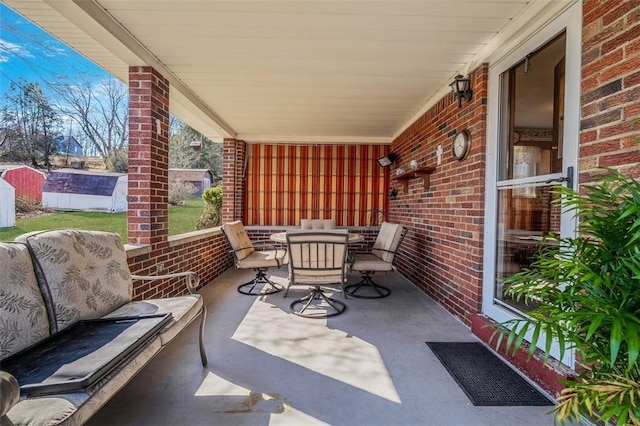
8, 204
68, 145
70, 189
200, 178
26, 180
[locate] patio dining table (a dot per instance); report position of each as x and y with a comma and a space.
281, 237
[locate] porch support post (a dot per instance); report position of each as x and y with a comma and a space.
234, 154
147, 217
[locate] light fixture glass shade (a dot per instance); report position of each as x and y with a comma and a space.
460, 85
461, 88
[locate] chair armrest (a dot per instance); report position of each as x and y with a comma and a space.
192, 279
387, 251
284, 259
270, 245
363, 246
234, 251
9, 395
370, 249
265, 244
260, 244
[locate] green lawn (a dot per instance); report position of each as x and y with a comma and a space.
181, 219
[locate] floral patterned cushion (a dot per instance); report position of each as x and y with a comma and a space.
86, 273
23, 317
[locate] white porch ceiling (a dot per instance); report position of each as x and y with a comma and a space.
320, 71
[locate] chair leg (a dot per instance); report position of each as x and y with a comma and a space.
317, 294
203, 354
251, 288
371, 289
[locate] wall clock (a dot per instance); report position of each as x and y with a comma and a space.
461, 145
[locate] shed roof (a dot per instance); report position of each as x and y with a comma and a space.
70, 181
189, 175
6, 167
88, 172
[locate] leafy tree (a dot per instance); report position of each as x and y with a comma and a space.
182, 155
29, 124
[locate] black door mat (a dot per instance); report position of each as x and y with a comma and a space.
485, 379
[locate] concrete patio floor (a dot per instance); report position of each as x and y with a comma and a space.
369, 366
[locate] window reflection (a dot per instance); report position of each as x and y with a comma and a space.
532, 119
528, 221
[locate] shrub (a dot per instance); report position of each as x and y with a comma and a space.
212, 213
213, 196
27, 205
179, 191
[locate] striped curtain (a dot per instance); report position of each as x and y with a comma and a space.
286, 183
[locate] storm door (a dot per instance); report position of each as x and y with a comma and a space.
533, 138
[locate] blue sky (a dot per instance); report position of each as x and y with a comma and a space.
29, 53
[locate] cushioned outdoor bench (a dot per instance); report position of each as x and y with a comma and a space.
70, 334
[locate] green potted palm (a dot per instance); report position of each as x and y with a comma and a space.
587, 296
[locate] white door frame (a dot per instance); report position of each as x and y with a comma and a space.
571, 21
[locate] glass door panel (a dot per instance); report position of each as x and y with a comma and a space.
528, 221
530, 155
532, 145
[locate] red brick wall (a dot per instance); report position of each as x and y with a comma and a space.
442, 253
148, 217
233, 179
206, 253
610, 87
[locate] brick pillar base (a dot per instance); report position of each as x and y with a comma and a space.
147, 218
546, 376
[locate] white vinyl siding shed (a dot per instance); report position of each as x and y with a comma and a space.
80, 190
7, 204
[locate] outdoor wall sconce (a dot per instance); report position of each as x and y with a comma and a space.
388, 159
461, 88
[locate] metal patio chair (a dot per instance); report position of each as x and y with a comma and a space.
317, 258
259, 257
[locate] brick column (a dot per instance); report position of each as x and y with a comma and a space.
147, 218
233, 180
